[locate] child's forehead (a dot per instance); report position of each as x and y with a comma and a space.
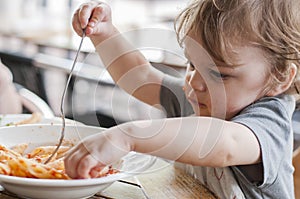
198, 55
225, 53
196, 50
193, 47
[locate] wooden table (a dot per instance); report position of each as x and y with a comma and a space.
160, 181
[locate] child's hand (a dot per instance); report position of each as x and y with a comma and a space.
95, 17
86, 159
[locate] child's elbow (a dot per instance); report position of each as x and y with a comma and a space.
223, 154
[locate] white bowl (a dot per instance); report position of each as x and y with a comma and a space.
8, 119
37, 135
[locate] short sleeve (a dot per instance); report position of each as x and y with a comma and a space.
270, 120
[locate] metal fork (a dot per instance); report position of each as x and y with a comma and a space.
137, 184
63, 100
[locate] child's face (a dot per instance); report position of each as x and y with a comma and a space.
221, 91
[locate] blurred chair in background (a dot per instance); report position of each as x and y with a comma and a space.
10, 102
24, 72
31, 102
14, 97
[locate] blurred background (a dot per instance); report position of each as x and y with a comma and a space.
38, 44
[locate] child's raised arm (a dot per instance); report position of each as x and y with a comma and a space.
127, 66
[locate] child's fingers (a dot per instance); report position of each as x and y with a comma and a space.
88, 16
84, 14
76, 24
95, 171
72, 160
98, 16
86, 165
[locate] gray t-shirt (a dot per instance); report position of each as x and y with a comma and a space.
270, 120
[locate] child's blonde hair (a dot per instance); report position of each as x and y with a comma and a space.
271, 25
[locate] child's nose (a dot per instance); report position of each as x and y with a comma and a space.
196, 81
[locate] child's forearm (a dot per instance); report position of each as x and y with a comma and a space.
197, 140
129, 68
117, 54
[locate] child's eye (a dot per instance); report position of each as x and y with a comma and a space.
218, 75
190, 65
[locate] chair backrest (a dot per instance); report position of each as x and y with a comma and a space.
24, 72
33, 103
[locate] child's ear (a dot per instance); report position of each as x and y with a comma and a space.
281, 88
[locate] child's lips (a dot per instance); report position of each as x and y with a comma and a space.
197, 103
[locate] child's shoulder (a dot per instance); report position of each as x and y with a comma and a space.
281, 106
282, 101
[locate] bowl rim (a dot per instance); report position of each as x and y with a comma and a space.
73, 182
61, 183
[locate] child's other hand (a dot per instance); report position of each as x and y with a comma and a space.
95, 17
95, 152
